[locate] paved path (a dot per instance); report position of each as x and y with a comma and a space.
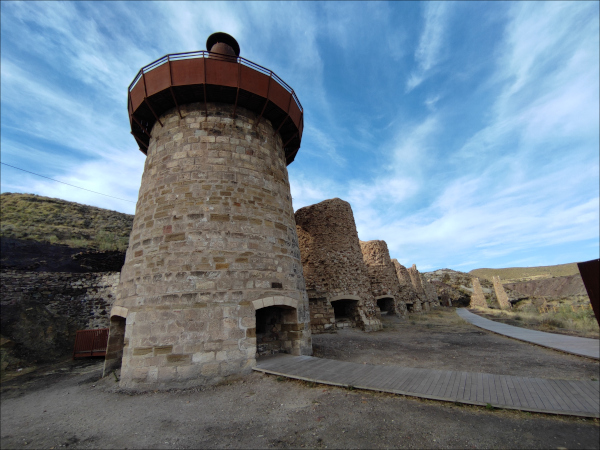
570, 344
576, 398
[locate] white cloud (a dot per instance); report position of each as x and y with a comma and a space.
429, 52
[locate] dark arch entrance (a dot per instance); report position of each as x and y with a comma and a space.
386, 305
276, 329
345, 313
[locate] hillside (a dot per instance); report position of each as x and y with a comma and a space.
458, 286
556, 287
517, 274
42, 219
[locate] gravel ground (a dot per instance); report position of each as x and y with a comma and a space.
68, 405
442, 340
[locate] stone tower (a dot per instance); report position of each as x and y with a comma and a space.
417, 282
385, 285
212, 276
501, 293
477, 298
408, 293
337, 280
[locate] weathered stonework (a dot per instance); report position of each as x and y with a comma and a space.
213, 267
430, 292
408, 294
382, 275
336, 277
417, 282
477, 298
501, 293
41, 311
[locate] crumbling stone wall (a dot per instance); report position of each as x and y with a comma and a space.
415, 278
213, 240
382, 274
477, 298
408, 294
500, 293
430, 292
41, 311
333, 264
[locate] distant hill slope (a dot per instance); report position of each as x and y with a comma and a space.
516, 274
43, 219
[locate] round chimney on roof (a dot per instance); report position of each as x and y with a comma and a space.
222, 43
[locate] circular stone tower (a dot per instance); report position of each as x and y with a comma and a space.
336, 276
212, 276
382, 274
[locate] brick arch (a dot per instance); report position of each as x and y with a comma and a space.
119, 311
385, 296
277, 300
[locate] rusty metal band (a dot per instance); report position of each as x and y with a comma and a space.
171, 86
266, 100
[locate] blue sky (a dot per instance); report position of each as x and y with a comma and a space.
465, 135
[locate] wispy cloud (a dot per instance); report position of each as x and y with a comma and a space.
431, 44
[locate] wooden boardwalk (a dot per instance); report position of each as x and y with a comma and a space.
576, 398
569, 344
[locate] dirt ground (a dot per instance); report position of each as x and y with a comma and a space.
68, 405
440, 339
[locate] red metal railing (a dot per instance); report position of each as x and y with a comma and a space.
206, 54
90, 343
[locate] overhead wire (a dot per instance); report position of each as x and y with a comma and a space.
72, 185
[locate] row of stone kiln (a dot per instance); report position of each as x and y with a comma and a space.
348, 281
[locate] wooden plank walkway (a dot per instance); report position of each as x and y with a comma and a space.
569, 344
574, 398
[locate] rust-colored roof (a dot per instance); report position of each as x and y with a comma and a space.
202, 76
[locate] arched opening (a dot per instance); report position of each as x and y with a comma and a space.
115, 345
386, 305
410, 307
276, 329
345, 312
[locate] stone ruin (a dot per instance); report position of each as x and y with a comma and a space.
430, 292
501, 295
426, 292
477, 298
408, 294
385, 285
337, 280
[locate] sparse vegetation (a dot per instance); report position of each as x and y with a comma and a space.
44, 219
564, 316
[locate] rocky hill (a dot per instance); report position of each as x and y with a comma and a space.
518, 274
458, 286
558, 287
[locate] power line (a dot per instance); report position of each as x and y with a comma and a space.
33, 173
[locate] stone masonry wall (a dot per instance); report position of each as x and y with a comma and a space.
213, 235
41, 311
430, 292
500, 293
415, 278
408, 294
382, 273
477, 298
333, 263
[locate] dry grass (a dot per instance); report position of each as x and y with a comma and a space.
566, 317
43, 219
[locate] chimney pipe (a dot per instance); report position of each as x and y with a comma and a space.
223, 44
